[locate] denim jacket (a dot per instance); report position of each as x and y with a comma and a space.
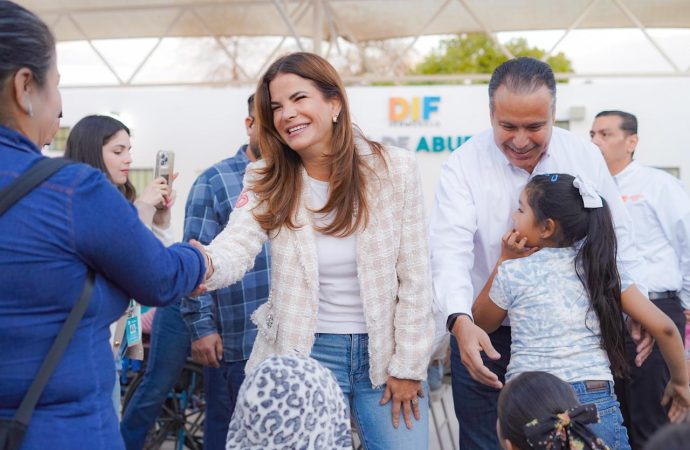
73, 220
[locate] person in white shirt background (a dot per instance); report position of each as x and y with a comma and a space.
660, 209
477, 192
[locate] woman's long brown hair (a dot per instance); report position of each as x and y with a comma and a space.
279, 185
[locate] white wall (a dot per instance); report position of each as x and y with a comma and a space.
204, 125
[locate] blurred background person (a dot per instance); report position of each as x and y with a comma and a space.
660, 209
104, 142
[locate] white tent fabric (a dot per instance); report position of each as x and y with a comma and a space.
358, 20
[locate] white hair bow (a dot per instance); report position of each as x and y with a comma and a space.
589, 195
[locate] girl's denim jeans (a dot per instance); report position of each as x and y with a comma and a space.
610, 427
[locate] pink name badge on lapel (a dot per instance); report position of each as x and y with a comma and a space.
242, 200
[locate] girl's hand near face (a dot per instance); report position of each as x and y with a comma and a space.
514, 246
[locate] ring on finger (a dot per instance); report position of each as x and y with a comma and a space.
415, 401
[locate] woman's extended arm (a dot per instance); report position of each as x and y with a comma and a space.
112, 240
233, 252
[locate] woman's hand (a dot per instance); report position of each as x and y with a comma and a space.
201, 289
161, 218
405, 393
209, 262
679, 396
514, 246
155, 192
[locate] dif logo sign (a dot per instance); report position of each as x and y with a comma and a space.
413, 111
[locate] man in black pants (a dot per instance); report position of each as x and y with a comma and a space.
660, 209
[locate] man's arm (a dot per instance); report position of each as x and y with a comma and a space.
202, 224
452, 230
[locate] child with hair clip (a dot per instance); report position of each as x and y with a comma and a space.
566, 301
538, 410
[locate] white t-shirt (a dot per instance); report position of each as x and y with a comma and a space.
340, 306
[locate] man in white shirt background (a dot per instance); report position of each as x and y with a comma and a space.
477, 192
660, 210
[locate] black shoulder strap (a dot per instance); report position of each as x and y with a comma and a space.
36, 174
26, 408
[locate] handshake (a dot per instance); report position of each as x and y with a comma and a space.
201, 289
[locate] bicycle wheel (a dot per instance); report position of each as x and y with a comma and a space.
182, 415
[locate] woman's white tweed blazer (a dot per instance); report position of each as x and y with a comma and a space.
392, 268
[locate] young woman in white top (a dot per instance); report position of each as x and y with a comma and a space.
558, 282
350, 281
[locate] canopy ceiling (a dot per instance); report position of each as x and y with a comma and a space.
325, 23
358, 20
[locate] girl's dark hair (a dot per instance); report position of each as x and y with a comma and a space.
672, 436
529, 396
591, 229
85, 144
25, 41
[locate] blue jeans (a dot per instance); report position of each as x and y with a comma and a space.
170, 346
475, 403
222, 383
610, 427
347, 356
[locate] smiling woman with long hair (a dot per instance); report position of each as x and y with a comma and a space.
350, 278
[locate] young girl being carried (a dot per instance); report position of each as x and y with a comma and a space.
566, 301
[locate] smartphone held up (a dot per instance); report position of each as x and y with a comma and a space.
165, 167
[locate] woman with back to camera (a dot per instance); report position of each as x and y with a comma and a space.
350, 283
73, 222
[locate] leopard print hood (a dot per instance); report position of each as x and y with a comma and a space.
290, 402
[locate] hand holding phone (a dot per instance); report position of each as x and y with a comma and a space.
165, 166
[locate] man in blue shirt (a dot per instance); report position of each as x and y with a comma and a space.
219, 321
